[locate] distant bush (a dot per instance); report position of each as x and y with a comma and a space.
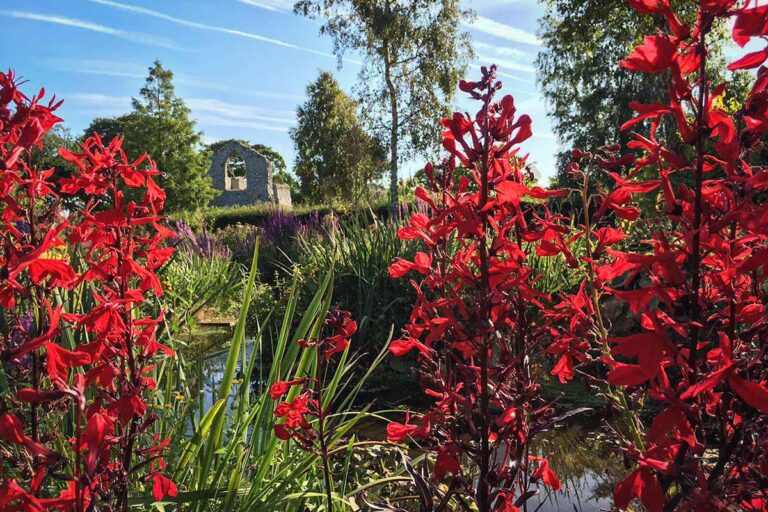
258, 214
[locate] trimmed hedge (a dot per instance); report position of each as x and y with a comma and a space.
218, 218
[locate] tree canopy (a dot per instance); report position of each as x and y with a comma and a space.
587, 93
160, 125
414, 54
336, 157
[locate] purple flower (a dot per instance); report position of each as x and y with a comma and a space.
280, 228
204, 244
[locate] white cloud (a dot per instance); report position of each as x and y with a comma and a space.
208, 139
506, 65
516, 78
501, 2
135, 37
100, 99
545, 135
100, 67
235, 123
271, 5
210, 112
239, 112
504, 51
97, 105
502, 31
124, 69
202, 26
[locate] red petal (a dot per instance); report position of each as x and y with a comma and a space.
753, 393
749, 61
163, 486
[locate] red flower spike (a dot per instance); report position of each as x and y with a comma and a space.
476, 302
693, 283
306, 419
107, 380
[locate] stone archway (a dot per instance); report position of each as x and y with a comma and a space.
235, 173
244, 177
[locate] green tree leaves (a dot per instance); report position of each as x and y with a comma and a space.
336, 158
160, 125
414, 53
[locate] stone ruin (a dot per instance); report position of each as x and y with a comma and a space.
244, 177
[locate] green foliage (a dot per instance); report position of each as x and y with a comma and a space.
110, 127
48, 156
414, 54
160, 125
194, 282
278, 162
361, 252
255, 215
227, 457
336, 159
588, 94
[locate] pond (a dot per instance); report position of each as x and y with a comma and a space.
587, 469
212, 372
577, 452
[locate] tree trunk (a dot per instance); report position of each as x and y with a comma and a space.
394, 119
393, 139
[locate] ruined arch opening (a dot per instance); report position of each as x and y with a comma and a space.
235, 175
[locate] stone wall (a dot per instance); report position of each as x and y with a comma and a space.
258, 186
282, 195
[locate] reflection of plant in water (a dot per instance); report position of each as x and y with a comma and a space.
583, 460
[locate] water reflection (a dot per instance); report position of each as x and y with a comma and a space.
210, 372
576, 451
585, 465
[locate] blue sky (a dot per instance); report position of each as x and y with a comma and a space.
241, 65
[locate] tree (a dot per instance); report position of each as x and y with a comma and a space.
47, 156
160, 125
110, 127
336, 157
587, 92
414, 55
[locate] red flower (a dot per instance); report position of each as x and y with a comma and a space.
421, 265
399, 432
281, 387
11, 429
163, 486
563, 369
547, 476
642, 484
399, 348
447, 461
95, 440
656, 54
60, 360
750, 22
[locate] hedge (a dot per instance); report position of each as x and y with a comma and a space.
218, 218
